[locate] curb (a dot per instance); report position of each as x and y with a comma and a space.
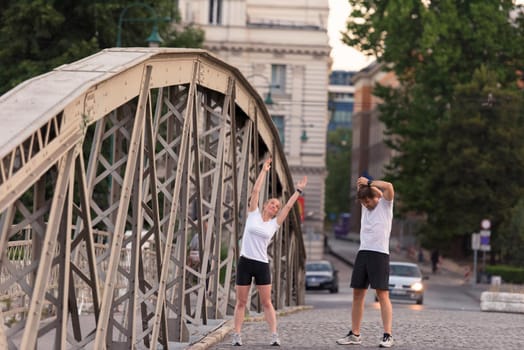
217, 335
213, 337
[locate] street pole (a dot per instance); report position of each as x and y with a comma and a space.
475, 245
154, 38
474, 279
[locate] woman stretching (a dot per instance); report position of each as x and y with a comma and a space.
253, 263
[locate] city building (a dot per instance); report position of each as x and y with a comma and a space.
341, 96
281, 47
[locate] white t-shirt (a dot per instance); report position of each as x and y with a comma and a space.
375, 227
257, 235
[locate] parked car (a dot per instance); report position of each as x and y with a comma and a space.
406, 282
320, 274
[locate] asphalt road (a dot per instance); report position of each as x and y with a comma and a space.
444, 291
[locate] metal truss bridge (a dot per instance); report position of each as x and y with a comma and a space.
108, 167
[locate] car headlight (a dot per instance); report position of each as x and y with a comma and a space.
417, 286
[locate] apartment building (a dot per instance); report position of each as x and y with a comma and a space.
341, 99
281, 47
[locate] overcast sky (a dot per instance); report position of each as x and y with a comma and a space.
344, 57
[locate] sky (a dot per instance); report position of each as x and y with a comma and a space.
344, 57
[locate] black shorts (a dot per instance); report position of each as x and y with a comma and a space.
371, 268
249, 268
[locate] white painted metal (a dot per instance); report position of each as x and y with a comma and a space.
174, 138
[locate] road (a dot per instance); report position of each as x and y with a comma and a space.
449, 319
443, 292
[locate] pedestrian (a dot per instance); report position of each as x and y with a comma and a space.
420, 255
259, 229
435, 260
372, 261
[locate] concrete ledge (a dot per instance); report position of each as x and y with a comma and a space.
213, 337
283, 312
502, 302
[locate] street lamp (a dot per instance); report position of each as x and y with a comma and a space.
268, 100
154, 38
304, 136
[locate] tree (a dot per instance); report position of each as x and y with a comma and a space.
483, 176
338, 163
435, 48
37, 36
511, 237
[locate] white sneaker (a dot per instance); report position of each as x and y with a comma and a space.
237, 340
350, 339
274, 340
387, 341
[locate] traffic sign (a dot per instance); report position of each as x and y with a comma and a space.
475, 241
485, 240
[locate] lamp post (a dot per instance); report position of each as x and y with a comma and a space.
154, 38
304, 136
268, 100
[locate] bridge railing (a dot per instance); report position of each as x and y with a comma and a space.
112, 164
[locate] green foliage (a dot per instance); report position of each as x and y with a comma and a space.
511, 236
37, 36
509, 274
484, 172
459, 156
190, 36
338, 160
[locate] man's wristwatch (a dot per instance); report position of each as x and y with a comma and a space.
370, 182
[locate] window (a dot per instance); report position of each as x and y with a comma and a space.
278, 78
278, 120
341, 116
215, 11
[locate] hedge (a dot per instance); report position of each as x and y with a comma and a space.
509, 274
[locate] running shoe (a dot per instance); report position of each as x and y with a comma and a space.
237, 340
274, 340
387, 341
350, 339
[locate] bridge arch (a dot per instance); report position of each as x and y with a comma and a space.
108, 167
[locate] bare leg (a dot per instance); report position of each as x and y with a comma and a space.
264, 292
240, 306
386, 310
357, 310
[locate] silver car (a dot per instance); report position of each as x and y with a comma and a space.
406, 281
321, 274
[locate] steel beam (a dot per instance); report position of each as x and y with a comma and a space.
96, 255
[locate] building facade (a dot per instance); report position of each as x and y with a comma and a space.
341, 99
281, 47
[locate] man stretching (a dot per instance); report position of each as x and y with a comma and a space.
372, 262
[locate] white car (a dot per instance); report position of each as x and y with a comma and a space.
406, 281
